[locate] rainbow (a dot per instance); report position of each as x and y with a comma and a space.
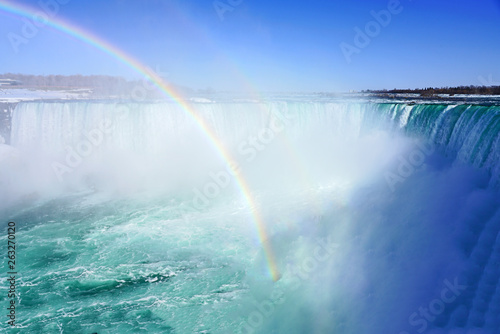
106, 47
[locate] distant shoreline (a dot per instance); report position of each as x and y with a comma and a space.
437, 91
105, 85
16, 94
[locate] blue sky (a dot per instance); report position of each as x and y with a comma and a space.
272, 45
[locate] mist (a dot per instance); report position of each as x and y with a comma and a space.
365, 220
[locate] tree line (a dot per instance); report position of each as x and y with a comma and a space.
100, 85
431, 91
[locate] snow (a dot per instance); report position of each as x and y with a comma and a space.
12, 95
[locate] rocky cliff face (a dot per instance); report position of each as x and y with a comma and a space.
5, 121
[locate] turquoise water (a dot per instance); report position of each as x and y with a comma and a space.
89, 264
125, 266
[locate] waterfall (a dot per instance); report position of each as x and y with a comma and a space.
381, 217
466, 133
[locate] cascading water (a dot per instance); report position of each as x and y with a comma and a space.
381, 218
